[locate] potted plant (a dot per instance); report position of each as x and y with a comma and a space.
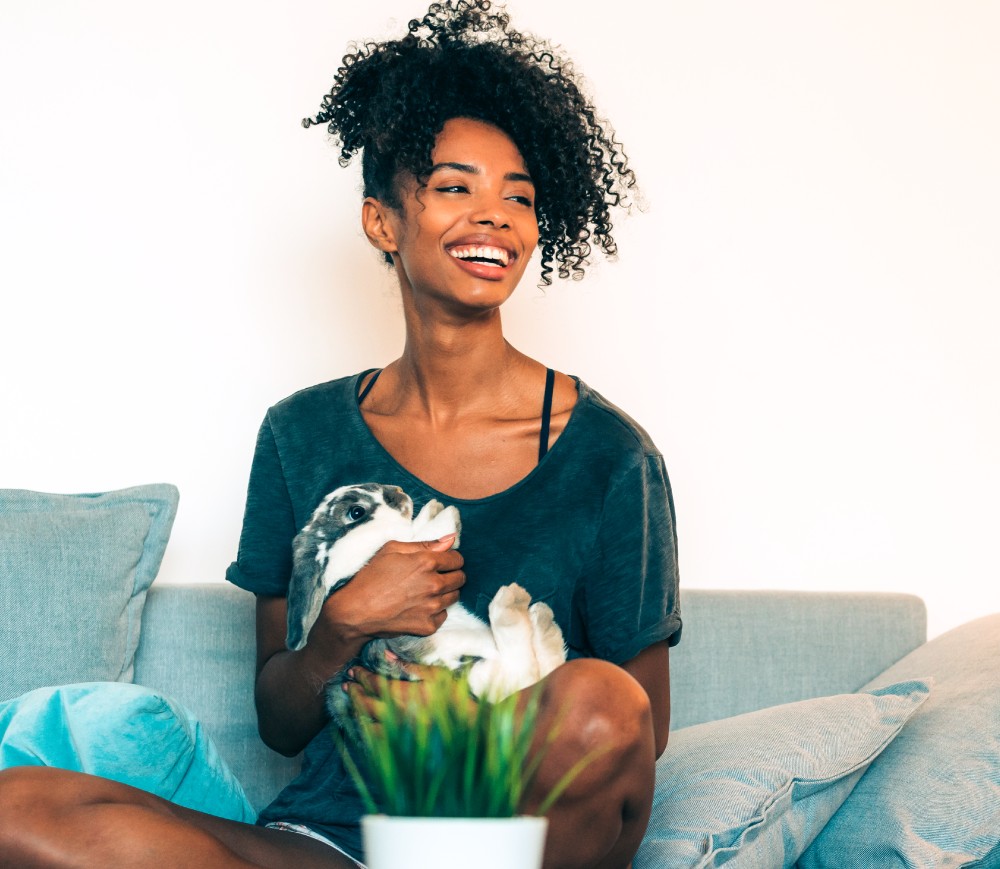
442, 776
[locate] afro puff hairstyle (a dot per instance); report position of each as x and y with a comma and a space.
390, 100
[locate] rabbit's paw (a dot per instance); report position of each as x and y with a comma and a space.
509, 606
546, 638
455, 523
435, 521
430, 510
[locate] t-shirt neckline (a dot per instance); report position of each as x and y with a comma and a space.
557, 449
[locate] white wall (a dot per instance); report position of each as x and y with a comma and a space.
804, 317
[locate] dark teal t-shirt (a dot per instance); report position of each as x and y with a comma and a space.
590, 531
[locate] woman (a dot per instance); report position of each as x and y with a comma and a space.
477, 147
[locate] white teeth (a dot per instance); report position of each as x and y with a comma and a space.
470, 252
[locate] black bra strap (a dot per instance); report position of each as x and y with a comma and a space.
543, 438
368, 387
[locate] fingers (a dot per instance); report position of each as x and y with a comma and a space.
419, 672
363, 701
370, 691
361, 680
404, 589
442, 545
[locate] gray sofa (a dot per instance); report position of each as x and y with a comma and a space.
810, 730
197, 646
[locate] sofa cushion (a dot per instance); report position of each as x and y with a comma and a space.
74, 570
126, 733
753, 790
933, 798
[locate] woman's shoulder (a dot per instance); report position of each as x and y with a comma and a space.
605, 423
331, 396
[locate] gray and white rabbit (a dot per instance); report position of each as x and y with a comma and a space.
521, 644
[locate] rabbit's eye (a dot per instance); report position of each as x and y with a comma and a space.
356, 512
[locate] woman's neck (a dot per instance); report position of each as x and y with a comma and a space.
455, 364
445, 381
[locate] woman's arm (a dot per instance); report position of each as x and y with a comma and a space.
404, 589
651, 669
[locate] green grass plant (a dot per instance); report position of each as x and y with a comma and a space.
443, 753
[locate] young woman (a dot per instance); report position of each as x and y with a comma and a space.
477, 148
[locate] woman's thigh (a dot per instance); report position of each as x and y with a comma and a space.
52, 818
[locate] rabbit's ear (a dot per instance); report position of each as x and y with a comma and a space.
306, 594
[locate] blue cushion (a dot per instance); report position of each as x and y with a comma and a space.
74, 570
753, 790
126, 733
933, 798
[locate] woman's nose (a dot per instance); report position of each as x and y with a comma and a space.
491, 213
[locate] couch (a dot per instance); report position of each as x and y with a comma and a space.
197, 646
811, 729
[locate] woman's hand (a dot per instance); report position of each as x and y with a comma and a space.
405, 589
369, 691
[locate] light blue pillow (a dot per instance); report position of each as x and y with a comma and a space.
754, 790
126, 733
933, 798
74, 570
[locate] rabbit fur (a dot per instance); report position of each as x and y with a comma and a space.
521, 644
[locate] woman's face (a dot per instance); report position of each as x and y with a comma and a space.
465, 237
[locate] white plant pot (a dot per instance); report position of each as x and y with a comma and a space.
453, 843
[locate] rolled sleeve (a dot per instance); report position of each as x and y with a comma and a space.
264, 560
631, 597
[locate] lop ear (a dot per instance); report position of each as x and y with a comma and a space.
378, 224
305, 596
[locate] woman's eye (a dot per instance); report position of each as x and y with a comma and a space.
356, 512
452, 188
522, 200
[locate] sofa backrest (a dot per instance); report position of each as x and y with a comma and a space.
740, 650
197, 645
747, 650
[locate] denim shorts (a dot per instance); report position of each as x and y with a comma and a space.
303, 830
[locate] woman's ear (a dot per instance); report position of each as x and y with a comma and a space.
376, 220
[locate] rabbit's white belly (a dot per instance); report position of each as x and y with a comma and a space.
462, 636
519, 646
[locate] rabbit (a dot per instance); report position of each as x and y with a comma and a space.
521, 645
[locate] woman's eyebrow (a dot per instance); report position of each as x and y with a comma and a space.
474, 170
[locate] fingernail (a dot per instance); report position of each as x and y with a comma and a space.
448, 538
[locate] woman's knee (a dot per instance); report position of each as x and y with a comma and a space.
598, 701
597, 719
596, 714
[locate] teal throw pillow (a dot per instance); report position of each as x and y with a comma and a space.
74, 570
933, 797
754, 790
126, 733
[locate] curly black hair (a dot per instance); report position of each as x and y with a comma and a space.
390, 100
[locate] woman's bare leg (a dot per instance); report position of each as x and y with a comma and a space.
600, 820
54, 818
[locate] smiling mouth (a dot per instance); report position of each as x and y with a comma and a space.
483, 254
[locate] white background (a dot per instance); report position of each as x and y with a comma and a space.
804, 314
